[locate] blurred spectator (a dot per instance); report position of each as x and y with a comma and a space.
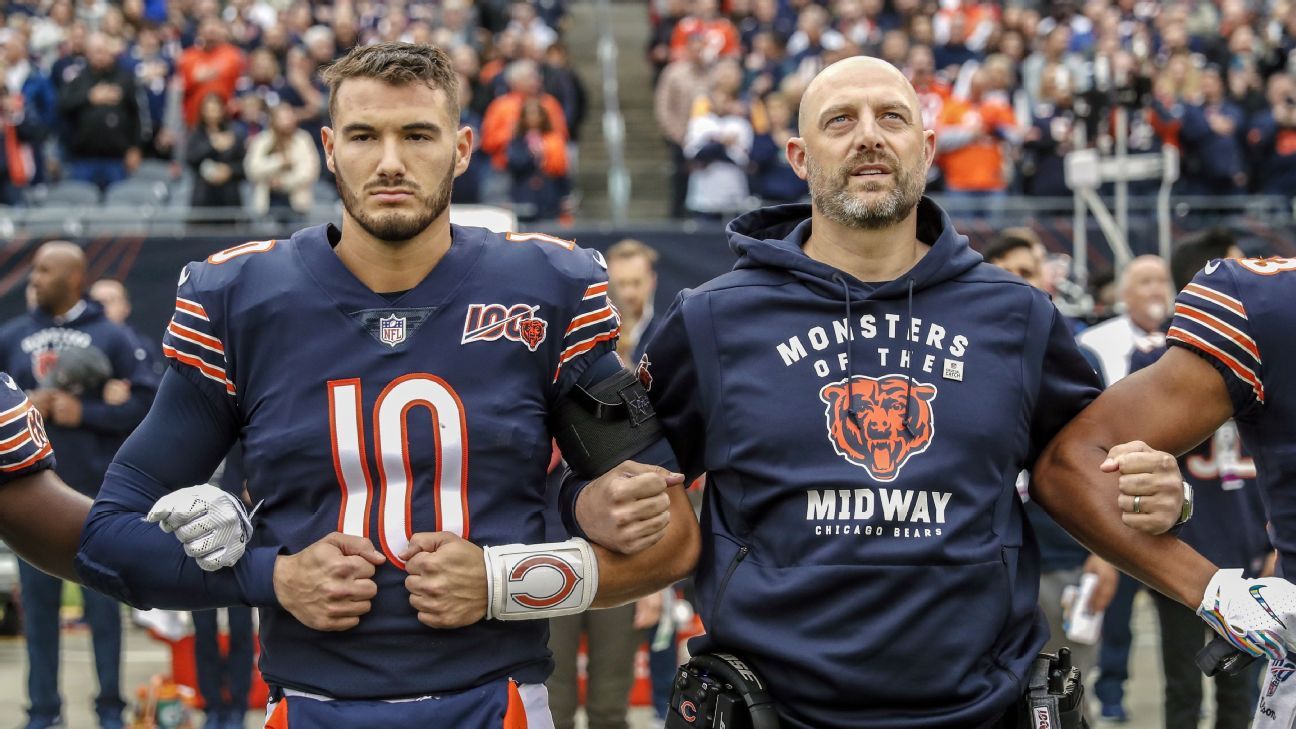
1055, 51
973, 132
632, 284
659, 42
932, 90
955, 50
766, 65
562, 83
102, 114
467, 188
765, 18
716, 144
112, 295
215, 155
773, 179
457, 20
529, 27
537, 164
211, 66
894, 48
718, 32
153, 70
500, 123
38, 101
282, 165
1211, 137
681, 82
266, 81
1271, 139
1050, 137
17, 161
71, 56
814, 36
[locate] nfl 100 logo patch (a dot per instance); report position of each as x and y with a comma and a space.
516, 323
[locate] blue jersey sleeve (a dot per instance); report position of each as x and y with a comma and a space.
1210, 319
179, 444
193, 343
24, 447
593, 328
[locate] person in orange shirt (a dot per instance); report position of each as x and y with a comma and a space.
721, 35
973, 132
213, 65
537, 164
502, 116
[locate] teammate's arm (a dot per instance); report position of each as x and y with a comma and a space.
1171, 406
180, 442
41, 518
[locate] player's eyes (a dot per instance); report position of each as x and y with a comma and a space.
893, 115
419, 138
361, 137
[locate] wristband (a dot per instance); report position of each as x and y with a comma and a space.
533, 581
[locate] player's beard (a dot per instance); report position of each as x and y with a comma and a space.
397, 226
830, 191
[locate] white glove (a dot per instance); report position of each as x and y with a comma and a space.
210, 522
1255, 615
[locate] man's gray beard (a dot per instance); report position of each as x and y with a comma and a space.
844, 207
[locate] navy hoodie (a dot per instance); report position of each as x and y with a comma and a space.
31, 343
866, 551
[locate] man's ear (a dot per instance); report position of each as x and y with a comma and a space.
326, 136
463, 150
796, 156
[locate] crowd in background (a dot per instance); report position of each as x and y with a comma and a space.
1010, 88
225, 98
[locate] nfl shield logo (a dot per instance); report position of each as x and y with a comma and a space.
391, 330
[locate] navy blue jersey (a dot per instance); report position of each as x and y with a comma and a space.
1228, 526
1238, 315
24, 447
864, 546
385, 416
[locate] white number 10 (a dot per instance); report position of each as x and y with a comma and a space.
391, 440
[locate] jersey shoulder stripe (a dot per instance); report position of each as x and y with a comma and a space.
24, 446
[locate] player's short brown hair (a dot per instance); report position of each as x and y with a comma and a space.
631, 248
397, 64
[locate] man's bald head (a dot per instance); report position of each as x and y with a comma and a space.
58, 276
855, 67
1146, 291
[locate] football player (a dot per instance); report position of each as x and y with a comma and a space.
395, 383
40, 516
1230, 356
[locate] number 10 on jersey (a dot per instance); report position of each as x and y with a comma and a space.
396, 479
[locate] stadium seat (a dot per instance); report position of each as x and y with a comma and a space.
153, 169
70, 193
136, 192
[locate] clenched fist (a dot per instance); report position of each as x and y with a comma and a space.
1150, 484
328, 585
627, 509
447, 579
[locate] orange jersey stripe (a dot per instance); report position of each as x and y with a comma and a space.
45, 451
191, 307
15, 412
1220, 327
1228, 360
209, 371
15, 442
595, 290
196, 337
515, 715
1229, 303
577, 349
593, 317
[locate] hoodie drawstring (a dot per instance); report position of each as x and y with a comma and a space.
908, 359
856, 415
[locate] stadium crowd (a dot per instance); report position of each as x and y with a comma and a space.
223, 100
1006, 86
